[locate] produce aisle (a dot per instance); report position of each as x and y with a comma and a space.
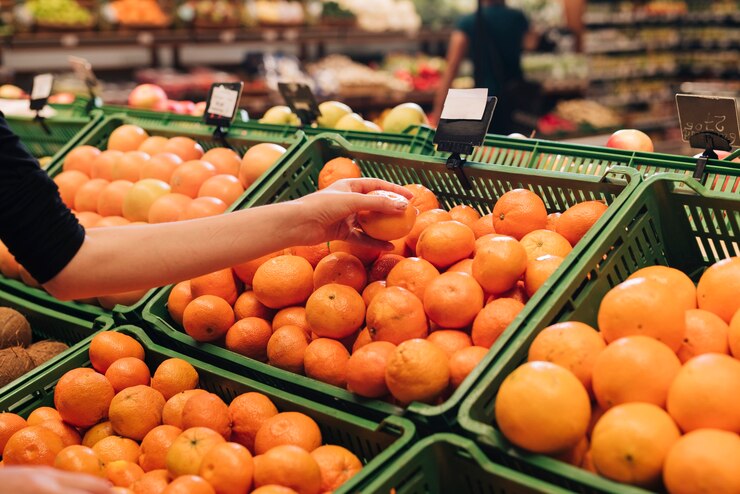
554, 312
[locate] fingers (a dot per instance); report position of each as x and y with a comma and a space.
82, 483
381, 204
365, 185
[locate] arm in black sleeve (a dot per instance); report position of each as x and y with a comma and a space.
36, 226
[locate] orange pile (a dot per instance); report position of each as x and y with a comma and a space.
653, 399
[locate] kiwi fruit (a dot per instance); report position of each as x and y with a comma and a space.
42, 351
14, 328
14, 362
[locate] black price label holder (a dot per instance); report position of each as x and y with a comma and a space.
709, 123
460, 136
301, 100
83, 69
222, 107
42, 85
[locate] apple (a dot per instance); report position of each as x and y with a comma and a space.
630, 140
147, 96
280, 115
404, 116
517, 135
351, 122
331, 113
9, 91
199, 109
186, 107
62, 99
372, 126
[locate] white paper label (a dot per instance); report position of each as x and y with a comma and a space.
223, 102
465, 104
42, 84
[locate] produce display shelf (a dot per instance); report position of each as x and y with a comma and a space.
670, 220
375, 443
445, 463
298, 177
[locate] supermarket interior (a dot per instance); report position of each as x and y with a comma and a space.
379, 246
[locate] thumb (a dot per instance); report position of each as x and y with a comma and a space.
378, 203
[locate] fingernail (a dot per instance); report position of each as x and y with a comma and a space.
401, 204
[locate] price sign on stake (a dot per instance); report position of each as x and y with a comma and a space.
300, 99
708, 117
223, 102
41, 91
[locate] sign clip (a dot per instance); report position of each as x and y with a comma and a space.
301, 101
223, 103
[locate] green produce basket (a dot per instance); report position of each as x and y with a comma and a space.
374, 442
445, 463
661, 224
298, 176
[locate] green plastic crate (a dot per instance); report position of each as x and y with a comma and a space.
298, 177
445, 463
661, 224
374, 442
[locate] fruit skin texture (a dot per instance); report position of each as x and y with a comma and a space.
366, 369
706, 332
109, 346
575, 222
418, 370
337, 465
229, 468
498, 264
396, 315
445, 243
452, 300
642, 306
187, 451
630, 442
288, 466
718, 288
82, 397
388, 226
703, 461
207, 318
18, 451
335, 311
135, 411
293, 428
257, 160
519, 212
706, 394
683, 288
493, 319
276, 282
630, 140
338, 169
543, 408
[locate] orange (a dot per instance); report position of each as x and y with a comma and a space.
413, 274
705, 333
338, 169
631, 441
365, 253
552, 221
482, 241
575, 222
247, 305
207, 318
499, 264
424, 220
189, 484
135, 411
248, 412
82, 397
207, 410
168, 208
224, 159
249, 337
335, 311
519, 212
417, 370
337, 465
543, 408
288, 466
110, 200
257, 160
493, 319
87, 219
80, 159
372, 290
273, 489
188, 177
32, 445
539, 271
453, 300
483, 226
42, 414
450, 340
396, 315
160, 166
154, 482
382, 266
399, 248
220, 283
154, 447
683, 288
575, 455
102, 165
642, 306
287, 347
424, 199
79, 459
385, 226
173, 376
129, 165
706, 394
540, 243
283, 281
312, 253
228, 188
733, 335
462, 363
96, 433
10, 423
127, 138
246, 270
294, 428
703, 461
184, 147
718, 288
464, 266
123, 473
294, 316
153, 145
326, 360
619, 372
229, 468
126, 372
187, 451
69, 183
140, 198
445, 243
572, 345
123, 298
172, 411
66, 432
178, 299
114, 448
203, 207
341, 268
112, 221
86, 198
465, 215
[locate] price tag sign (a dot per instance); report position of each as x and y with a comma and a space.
300, 99
465, 104
223, 102
83, 70
465, 119
41, 91
710, 118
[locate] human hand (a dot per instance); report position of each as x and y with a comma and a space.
330, 214
45, 480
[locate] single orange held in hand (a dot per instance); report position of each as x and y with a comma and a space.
385, 226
